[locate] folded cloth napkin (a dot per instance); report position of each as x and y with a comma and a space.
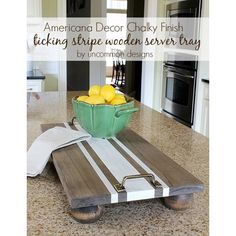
41, 149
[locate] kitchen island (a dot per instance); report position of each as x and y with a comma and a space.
47, 203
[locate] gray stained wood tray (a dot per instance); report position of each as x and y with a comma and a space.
120, 169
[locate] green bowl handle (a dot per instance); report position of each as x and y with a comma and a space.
125, 111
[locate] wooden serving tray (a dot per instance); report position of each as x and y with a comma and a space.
121, 169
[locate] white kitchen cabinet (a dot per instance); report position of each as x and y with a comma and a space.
35, 81
35, 85
34, 8
205, 111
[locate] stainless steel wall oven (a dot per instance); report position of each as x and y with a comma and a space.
187, 8
180, 69
179, 92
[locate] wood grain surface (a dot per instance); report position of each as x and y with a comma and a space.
88, 177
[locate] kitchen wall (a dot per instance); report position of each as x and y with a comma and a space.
158, 85
97, 69
151, 94
49, 8
50, 69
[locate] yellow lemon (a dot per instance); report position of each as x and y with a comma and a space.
108, 92
121, 96
95, 99
82, 98
94, 90
118, 101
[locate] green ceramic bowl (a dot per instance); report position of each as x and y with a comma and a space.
103, 121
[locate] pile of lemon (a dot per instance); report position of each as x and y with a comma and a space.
103, 95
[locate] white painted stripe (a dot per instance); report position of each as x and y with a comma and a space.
137, 189
166, 188
114, 194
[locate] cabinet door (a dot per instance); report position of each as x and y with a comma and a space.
205, 112
205, 118
34, 8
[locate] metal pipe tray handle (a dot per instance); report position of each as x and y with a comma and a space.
121, 188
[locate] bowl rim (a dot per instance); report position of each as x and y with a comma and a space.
129, 100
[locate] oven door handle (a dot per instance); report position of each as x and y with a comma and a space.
188, 76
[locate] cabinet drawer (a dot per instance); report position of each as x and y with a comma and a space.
34, 86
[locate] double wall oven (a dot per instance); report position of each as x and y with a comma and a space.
180, 69
179, 88
185, 8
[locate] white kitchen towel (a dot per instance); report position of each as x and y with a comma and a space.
41, 149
